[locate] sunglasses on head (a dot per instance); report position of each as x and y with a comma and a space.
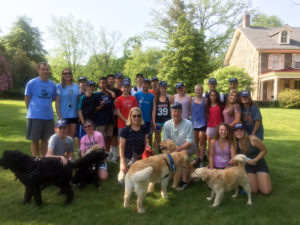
87, 126
136, 116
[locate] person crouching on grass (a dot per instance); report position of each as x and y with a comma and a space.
92, 138
60, 145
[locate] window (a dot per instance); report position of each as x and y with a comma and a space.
297, 84
286, 84
296, 61
276, 61
284, 37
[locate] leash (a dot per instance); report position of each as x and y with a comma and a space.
172, 162
171, 167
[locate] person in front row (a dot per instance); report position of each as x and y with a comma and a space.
181, 131
60, 145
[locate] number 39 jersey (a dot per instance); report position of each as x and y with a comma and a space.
163, 112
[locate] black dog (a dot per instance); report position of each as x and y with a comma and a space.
87, 168
36, 174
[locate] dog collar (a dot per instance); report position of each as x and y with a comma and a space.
171, 162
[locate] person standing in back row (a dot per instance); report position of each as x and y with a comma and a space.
39, 94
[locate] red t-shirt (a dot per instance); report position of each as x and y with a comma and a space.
215, 116
124, 104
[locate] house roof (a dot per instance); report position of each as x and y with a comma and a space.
261, 39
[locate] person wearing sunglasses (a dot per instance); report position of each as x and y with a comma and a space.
92, 138
133, 140
67, 94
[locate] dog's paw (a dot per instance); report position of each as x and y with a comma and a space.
234, 196
141, 210
165, 196
214, 205
249, 203
208, 198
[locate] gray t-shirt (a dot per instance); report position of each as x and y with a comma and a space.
181, 134
60, 146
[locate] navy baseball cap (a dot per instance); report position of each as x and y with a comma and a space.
119, 75
179, 85
177, 105
212, 81
126, 82
91, 83
61, 123
82, 79
146, 80
154, 79
163, 84
245, 93
239, 126
233, 80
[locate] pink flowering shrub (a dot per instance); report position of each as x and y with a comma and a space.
6, 81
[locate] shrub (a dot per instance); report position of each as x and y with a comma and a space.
289, 98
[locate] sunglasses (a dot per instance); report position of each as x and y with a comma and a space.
87, 126
136, 116
67, 73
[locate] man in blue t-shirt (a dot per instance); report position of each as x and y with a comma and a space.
145, 102
39, 94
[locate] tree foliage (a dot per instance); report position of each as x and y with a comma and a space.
224, 74
263, 20
185, 59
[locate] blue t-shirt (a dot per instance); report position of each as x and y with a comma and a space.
145, 102
41, 93
198, 118
68, 100
249, 117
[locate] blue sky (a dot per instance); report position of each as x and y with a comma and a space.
130, 17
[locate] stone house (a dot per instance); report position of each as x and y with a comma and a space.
270, 55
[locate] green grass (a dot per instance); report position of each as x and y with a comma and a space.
93, 206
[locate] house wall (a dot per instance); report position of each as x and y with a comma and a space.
245, 55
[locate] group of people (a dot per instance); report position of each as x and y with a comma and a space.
120, 115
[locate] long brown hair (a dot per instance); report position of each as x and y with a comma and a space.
63, 82
229, 104
229, 133
244, 143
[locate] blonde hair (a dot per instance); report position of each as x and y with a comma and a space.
63, 82
129, 122
231, 106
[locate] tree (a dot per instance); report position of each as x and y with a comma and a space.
6, 81
70, 35
185, 59
263, 20
224, 74
146, 62
131, 44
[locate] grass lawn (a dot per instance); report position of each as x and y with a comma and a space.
93, 206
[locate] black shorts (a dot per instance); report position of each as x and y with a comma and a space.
72, 120
257, 169
200, 129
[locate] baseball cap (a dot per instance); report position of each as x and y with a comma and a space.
212, 81
245, 93
177, 105
154, 79
119, 75
179, 85
233, 80
146, 80
239, 126
126, 81
163, 84
91, 83
82, 79
61, 123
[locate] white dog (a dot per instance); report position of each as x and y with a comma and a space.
226, 180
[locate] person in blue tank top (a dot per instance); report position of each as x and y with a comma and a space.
256, 167
39, 94
67, 94
198, 120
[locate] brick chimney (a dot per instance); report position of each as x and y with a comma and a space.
246, 20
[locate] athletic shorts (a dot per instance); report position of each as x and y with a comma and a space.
257, 169
210, 131
71, 120
203, 129
38, 129
80, 132
106, 130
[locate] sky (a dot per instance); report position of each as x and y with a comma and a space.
129, 17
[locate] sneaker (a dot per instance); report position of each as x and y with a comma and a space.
182, 186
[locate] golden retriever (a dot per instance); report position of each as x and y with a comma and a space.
226, 180
168, 146
155, 169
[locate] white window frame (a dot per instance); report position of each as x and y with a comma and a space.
287, 37
296, 61
276, 61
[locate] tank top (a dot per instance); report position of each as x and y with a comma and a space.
163, 112
222, 157
185, 105
198, 114
215, 116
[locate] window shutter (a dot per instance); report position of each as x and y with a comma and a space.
281, 62
270, 61
293, 60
